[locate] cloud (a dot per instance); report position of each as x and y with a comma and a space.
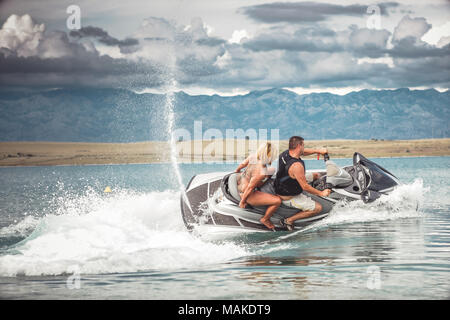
365, 37
156, 28
437, 35
103, 37
407, 40
314, 39
31, 56
186, 52
407, 49
161, 50
306, 12
443, 41
238, 35
87, 70
360, 42
21, 35
410, 28
158, 51
370, 43
321, 57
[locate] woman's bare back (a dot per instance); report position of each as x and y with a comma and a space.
253, 169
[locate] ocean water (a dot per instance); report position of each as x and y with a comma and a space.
63, 237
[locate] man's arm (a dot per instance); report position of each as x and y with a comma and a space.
309, 151
298, 171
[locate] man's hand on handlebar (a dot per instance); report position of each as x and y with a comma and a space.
323, 151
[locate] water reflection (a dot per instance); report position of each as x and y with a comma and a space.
346, 254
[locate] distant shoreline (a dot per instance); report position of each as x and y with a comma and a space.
83, 153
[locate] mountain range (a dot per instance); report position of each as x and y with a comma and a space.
119, 115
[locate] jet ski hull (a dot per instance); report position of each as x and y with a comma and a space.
204, 204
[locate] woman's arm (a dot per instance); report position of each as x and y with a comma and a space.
269, 171
243, 165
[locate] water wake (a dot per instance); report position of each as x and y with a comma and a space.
120, 232
404, 202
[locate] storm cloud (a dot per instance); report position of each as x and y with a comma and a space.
307, 12
311, 39
284, 54
102, 36
31, 56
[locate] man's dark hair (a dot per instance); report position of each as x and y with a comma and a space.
294, 142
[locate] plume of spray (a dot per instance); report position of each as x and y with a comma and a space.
170, 109
171, 86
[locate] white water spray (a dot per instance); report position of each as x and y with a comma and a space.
403, 202
126, 232
170, 107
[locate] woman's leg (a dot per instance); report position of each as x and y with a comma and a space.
258, 198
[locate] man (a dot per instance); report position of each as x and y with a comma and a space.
290, 181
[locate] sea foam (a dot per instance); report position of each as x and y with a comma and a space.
118, 232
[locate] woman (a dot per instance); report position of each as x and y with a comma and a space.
254, 176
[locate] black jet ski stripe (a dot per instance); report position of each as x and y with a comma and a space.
213, 186
225, 220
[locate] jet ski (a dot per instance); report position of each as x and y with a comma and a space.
212, 199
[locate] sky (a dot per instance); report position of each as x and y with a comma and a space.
225, 47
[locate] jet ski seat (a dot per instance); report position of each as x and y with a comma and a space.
337, 177
232, 186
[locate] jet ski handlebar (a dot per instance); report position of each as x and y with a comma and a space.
326, 157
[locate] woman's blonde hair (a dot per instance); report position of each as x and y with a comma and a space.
267, 152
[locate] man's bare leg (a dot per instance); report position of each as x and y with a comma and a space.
304, 214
